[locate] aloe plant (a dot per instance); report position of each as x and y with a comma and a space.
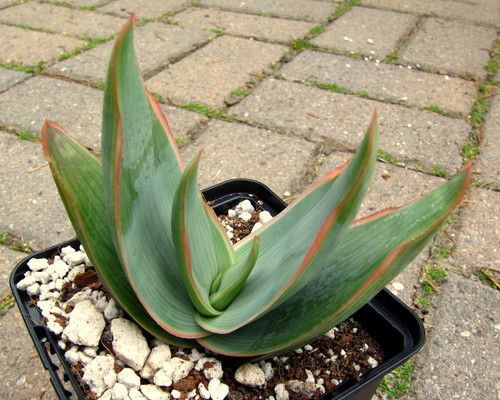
163, 255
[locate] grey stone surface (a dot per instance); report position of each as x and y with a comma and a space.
82, 3
233, 150
155, 43
21, 371
62, 19
367, 31
209, 75
486, 11
75, 107
30, 207
450, 47
260, 27
488, 162
8, 260
407, 134
383, 81
317, 11
183, 123
144, 9
477, 235
6, 3
9, 77
28, 47
461, 359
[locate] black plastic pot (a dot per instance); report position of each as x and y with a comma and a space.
396, 327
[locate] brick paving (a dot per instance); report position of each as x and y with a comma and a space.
298, 81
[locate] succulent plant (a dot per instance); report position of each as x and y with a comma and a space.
163, 255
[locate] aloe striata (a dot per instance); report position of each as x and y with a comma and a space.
163, 255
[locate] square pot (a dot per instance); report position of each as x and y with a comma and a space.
389, 321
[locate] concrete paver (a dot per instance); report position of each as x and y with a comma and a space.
367, 31
406, 134
384, 81
29, 47
62, 20
75, 107
144, 9
477, 235
450, 47
487, 162
486, 11
8, 259
21, 370
27, 186
317, 11
461, 357
155, 43
209, 75
276, 160
266, 28
9, 77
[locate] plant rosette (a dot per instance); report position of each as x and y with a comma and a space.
164, 256
113, 358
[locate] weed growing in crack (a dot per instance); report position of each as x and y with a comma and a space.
397, 383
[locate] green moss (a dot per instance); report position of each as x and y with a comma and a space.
208, 111
469, 151
435, 108
397, 383
92, 42
28, 136
316, 30
343, 7
332, 87
301, 44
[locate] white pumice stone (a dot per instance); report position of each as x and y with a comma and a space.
85, 326
33, 290
75, 258
217, 389
84, 358
107, 395
203, 391
212, 372
129, 343
91, 351
257, 225
60, 268
72, 357
41, 276
55, 327
158, 356
268, 370
66, 250
135, 394
163, 378
230, 235
111, 311
309, 376
304, 388
232, 214
38, 264
250, 375
129, 378
25, 282
120, 392
245, 206
153, 392
264, 217
78, 298
176, 393
372, 362
192, 394
195, 355
281, 392
308, 347
180, 368
100, 374
245, 216
75, 271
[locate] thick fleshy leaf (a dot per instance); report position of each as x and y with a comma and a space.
203, 248
291, 242
231, 281
372, 253
142, 170
78, 177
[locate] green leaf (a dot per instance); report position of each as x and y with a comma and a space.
292, 241
372, 253
203, 248
142, 171
79, 180
231, 282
